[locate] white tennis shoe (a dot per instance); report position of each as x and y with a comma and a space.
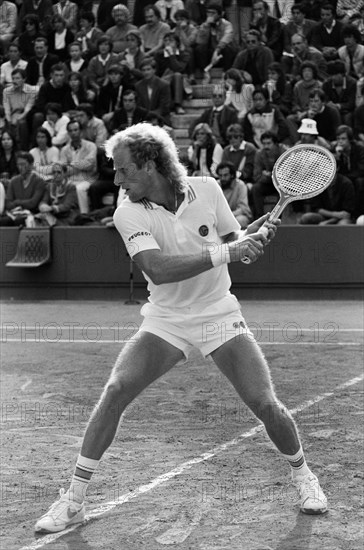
313, 500
63, 513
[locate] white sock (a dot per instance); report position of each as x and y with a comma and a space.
84, 469
298, 463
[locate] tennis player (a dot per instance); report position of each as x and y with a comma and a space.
182, 234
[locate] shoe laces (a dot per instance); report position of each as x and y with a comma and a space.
310, 486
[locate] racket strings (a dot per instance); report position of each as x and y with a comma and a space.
305, 171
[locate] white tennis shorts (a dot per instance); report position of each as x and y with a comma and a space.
205, 326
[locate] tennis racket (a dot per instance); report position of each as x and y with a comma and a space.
300, 173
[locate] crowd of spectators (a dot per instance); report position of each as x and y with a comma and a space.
75, 72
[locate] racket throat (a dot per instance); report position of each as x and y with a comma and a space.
279, 207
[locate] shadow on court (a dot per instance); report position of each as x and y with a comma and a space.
300, 536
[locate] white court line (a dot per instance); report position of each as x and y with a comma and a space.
108, 506
74, 328
83, 341
26, 384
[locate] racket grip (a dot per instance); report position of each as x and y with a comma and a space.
263, 229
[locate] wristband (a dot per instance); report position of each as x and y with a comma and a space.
220, 255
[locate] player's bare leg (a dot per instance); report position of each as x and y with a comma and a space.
242, 362
140, 363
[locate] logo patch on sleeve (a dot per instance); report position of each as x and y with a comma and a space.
139, 234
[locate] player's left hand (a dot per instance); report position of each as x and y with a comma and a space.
270, 225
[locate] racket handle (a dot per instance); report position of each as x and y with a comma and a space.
263, 229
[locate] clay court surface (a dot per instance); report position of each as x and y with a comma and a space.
190, 467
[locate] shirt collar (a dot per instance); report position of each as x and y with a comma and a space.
241, 146
332, 25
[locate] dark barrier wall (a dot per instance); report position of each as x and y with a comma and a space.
91, 263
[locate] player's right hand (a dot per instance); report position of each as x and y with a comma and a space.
250, 246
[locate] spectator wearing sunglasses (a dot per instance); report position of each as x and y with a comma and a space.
255, 58
218, 117
240, 153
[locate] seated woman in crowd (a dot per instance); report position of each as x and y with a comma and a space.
280, 91
56, 124
302, 90
239, 93
172, 63
59, 204
45, 154
205, 153
99, 64
8, 164
31, 31
79, 94
60, 38
133, 56
75, 63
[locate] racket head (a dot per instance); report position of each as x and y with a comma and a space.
304, 171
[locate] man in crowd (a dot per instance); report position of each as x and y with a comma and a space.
56, 90
118, 32
326, 116
327, 36
215, 45
187, 33
302, 52
109, 99
350, 163
298, 24
39, 67
153, 31
255, 58
335, 206
80, 155
235, 192
309, 135
18, 101
219, 117
88, 34
24, 192
14, 62
240, 153
154, 94
340, 90
92, 128
263, 167
270, 28
128, 114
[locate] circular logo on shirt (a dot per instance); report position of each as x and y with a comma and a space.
203, 230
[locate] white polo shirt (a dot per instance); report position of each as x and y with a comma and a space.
201, 221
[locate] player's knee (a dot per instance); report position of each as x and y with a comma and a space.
119, 390
266, 408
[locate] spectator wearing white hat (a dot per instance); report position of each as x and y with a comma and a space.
309, 135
